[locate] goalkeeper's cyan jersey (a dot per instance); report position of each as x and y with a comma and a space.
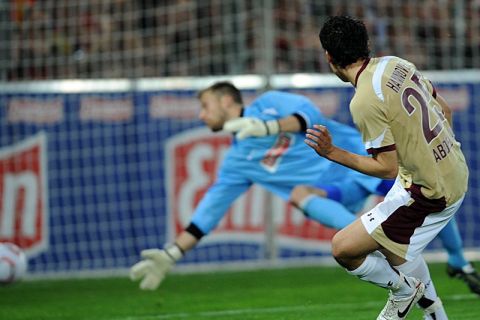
278, 162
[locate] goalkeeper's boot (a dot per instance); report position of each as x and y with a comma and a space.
468, 274
397, 308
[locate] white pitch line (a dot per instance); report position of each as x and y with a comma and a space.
249, 311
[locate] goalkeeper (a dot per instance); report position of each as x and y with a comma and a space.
268, 149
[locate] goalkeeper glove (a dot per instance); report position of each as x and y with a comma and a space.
251, 127
155, 265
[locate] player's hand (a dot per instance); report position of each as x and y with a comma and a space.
251, 127
153, 268
319, 139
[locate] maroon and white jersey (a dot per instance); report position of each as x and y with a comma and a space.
394, 108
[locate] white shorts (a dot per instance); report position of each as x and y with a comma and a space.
405, 222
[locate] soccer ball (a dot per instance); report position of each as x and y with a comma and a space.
13, 263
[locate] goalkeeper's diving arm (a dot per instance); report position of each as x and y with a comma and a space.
246, 127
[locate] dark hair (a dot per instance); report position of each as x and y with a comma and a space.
224, 88
345, 39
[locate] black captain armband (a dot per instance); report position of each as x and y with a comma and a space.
194, 231
301, 120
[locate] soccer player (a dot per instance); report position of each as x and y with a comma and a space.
404, 127
303, 197
267, 148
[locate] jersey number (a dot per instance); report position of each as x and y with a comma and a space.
428, 133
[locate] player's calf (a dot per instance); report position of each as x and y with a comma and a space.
302, 193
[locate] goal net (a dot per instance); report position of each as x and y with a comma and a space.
101, 151
92, 172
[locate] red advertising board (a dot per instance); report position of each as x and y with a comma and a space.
23, 194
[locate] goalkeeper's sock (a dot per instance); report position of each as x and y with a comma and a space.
328, 212
452, 242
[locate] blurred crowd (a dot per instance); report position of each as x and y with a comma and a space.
49, 39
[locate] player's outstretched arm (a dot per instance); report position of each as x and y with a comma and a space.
245, 127
156, 263
251, 127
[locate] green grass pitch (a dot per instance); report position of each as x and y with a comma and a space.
281, 294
